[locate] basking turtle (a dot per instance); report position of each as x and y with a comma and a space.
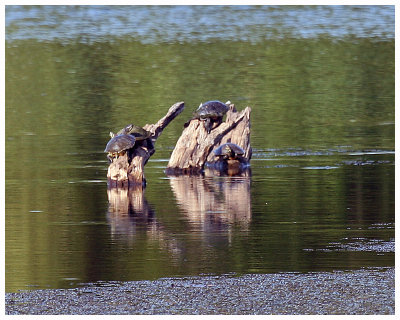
210, 112
138, 132
118, 145
229, 151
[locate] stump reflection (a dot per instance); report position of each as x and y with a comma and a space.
131, 218
214, 204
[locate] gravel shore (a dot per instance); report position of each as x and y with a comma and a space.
366, 291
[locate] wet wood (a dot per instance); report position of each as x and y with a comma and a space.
128, 169
195, 146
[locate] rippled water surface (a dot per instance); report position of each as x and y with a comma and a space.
320, 197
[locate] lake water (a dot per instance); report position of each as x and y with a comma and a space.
320, 197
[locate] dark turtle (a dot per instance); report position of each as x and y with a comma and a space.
229, 151
210, 112
118, 145
138, 132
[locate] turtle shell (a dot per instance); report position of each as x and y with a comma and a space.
125, 130
229, 151
211, 109
138, 132
120, 143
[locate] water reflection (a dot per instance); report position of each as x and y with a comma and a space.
312, 95
130, 217
213, 204
128, 208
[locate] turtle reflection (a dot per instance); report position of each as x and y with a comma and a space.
228, 159
211, 113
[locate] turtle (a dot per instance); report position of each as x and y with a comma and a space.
138, 132
210, 112
119, 144
229, 151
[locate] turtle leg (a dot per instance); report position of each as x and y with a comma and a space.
120, 154
110, 157
208, 124
150, 144
218, 121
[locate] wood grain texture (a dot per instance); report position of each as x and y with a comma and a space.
195, 147
128, 170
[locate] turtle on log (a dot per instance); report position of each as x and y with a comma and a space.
125, 139
229, 151
230, 160
138, 132
118, 145
209, 112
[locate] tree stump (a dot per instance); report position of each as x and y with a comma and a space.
195, 147
128, 169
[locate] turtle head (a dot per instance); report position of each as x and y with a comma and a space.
229, 152
128, 128
125, 130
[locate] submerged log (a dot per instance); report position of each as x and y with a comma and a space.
128, 169
195, 147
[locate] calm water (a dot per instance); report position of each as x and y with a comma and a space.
320, 81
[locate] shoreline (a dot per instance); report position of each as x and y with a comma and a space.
364, 291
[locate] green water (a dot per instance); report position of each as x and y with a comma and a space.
321, 193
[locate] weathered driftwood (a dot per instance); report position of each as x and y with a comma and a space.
128, 169
195, 146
